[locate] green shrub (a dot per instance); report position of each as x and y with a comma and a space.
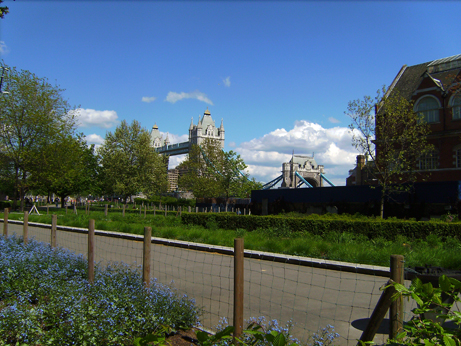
364, 228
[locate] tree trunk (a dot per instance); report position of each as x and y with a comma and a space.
382, 207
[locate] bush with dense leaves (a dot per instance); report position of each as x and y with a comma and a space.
321, 225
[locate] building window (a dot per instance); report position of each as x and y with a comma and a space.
428, 108
456, 107
457, 156
429, 161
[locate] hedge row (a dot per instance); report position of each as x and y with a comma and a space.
370, 228
130, 211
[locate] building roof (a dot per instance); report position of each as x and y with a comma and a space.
442, 71
303, 160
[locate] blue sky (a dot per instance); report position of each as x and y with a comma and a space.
280, 74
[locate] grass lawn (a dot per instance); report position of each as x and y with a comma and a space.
344, 246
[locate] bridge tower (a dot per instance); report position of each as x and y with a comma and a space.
206, 128
306, 167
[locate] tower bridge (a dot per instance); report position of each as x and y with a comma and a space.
300, 170
205, 128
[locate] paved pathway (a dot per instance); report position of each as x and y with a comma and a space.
312, 297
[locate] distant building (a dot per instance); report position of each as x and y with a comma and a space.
434, 88
301, 166
360, 175
157, 138
173, 175
206, 128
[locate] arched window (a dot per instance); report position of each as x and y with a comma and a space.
456, 106
429, 160
428, 108
457, 156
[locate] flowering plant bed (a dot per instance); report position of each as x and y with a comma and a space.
45, 298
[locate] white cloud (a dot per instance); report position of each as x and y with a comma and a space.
94, 139
3, 48
331, 147
232, 144
148, 99
175, 138
176, 160
102, 119
333, 120
174, 97
227, 82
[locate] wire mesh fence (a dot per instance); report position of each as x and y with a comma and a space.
310, 296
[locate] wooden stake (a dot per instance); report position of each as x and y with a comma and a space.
396, 308
238, 286
378, 314
25, 228
5, 222
91, 251
54, 222
146, 255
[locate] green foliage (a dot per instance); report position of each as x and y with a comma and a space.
157, 337
130, 163
212, 172
3, 10
392, 136
69, 167
333, 244
434, 308
34, 116
371, 228
46, 300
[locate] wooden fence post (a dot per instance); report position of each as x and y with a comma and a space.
154, 209
238, 286
188, 209
91, 251
145, 211
146, 255
54, 222
25, 228
123, 212
165, 210
66, 209
396, 308
105, 209
378, 314
5, 222
196, 209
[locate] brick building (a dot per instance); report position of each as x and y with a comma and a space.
434, 88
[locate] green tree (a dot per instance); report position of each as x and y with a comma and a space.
3, 10
390, 134
33, 115
212, 172
130, 164
69, 167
